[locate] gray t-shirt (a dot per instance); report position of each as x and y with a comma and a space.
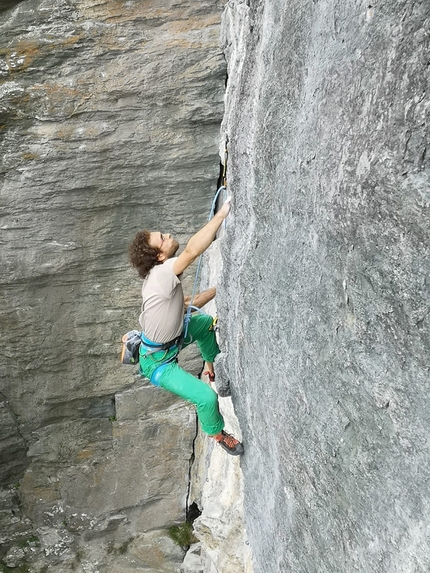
162, 314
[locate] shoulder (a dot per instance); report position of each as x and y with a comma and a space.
161, 268
183, 261
163, 278
167, 266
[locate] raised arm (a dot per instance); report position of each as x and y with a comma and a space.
201, 240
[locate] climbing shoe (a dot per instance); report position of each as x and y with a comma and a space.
229, 443
210, 375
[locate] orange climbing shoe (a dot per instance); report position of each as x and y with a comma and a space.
229, 443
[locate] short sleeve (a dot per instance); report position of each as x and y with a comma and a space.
166, 278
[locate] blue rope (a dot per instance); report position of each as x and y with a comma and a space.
190, 308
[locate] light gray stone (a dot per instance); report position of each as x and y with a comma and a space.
157, 552
15, 556
109, 123
323, 294
109, 118
192, 562
217, 480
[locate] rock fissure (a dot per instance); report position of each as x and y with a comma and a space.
13, 444
190, 505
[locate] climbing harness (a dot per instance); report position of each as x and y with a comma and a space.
153, 347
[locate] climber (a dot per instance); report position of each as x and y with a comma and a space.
162, 321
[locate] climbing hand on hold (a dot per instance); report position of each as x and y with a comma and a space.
225, 209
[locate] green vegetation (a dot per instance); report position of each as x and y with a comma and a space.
121, 549
182, 535
32, 540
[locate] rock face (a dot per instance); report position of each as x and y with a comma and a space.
216, 478
109, 122
324, 300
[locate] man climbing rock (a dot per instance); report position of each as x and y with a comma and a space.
162, 321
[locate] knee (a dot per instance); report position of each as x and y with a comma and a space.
209, 398
205, 321
209, 320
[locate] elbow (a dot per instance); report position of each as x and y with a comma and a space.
192, 252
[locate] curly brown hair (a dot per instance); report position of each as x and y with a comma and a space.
142, 255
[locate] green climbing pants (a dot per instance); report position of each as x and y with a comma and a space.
185, 385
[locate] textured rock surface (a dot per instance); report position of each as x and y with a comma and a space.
109, 121
217, 482
218, 490
325, 288
109, 117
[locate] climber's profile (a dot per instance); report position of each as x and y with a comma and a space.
162, 321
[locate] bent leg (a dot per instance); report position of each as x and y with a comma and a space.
190, 388
200, 331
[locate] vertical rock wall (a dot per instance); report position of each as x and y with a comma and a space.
109, 118
109, 122
216, 477
324, 303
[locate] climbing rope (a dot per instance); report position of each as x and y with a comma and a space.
190, 308
224, 172
223, 187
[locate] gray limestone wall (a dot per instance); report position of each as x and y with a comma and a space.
109, 123
324, 305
